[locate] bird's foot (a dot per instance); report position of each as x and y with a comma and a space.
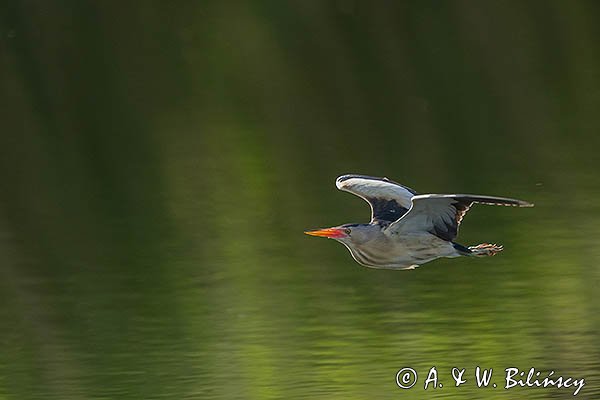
485, 249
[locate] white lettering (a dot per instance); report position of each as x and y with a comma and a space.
431, 378
483, 376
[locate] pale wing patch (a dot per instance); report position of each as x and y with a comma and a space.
368, 187
389, 200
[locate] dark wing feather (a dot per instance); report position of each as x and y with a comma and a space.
388, 200
441, 214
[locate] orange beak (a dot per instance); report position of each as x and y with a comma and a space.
332, 233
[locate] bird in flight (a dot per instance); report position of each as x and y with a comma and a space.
408, 229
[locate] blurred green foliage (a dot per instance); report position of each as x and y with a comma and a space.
160, 160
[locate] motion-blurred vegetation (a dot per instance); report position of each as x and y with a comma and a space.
160, 160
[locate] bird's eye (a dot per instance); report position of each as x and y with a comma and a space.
347, 231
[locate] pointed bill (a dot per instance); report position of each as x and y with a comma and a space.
332, 233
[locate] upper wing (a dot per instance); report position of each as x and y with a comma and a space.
388, 200
441, 214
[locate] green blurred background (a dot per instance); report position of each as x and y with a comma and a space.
160, 160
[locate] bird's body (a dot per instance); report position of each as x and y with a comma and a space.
403, 252
406, 229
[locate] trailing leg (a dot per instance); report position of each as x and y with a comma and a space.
485, 249
481, 250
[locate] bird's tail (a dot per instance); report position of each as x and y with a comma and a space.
485, 250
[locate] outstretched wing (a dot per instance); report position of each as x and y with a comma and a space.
388, 200
441, 214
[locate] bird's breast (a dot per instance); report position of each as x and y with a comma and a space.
401, 250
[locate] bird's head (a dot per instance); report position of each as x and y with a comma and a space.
349, 234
